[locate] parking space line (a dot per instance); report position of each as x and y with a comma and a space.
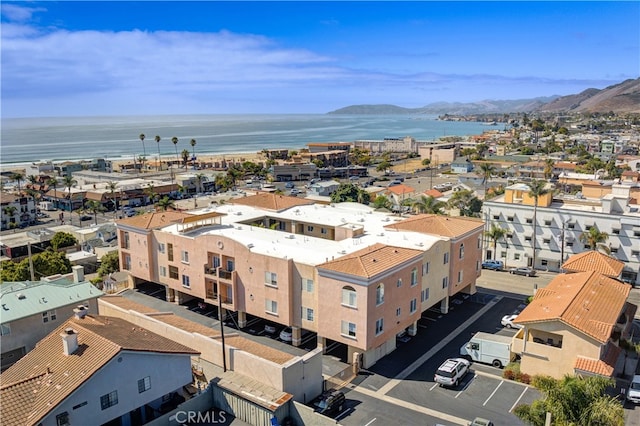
518, 400
466, 386
433, 387
343, 413
494, 392
374, 419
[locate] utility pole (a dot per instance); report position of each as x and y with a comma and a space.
224, 350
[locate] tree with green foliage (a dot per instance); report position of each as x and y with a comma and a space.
185, 157
45, 264
383, 166
595, 239
486, 170
157, 139
382, 202
495, 234
428, 204
17, 177
572, 401
166, 203
466, 202
63, 239
150, 192
144, 150
549, 164
69, 182
348, 192
94, 207
109, 263
111, 187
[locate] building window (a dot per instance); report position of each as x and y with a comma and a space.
126, 259
379, 326
588, 227
527, 238
461, 252
569, 243
424, 295
571, 225
614, 250
399, 283
413, 305
307, 314
547, 222
307, 285
62, 419
446, 258
546, 240
615, 231
109, 400
543, 262
170, 252
516, 256
231, 265
460, 274
173, 272
144, 384
425, 268
309, 228
162, 271
479, 243
380, 294
445, 282
5, 329
349, 296
636, 233
510, 218
323, 231
49, 316
414, 277
635, 253
348, 329
161, 248
184, 256
271, 279
398, 311
496, 217
509, 235
271, 307
503, 254
529, 220
125, 240
186, 283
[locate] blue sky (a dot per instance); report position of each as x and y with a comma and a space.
75, 58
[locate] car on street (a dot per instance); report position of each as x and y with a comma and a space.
633, 393
289, 185
526, 271
286, 335
451, 372
270, 329
85, 217
507, 321
495, 265
329, 403
479, 421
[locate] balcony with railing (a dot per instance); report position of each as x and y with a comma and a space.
210, 270
215, 288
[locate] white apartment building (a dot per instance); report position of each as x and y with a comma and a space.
561, 220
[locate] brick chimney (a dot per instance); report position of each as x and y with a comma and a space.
78, 273
69, 341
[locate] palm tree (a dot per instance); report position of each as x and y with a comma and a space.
157, 139
382, 202
193, 156
185, 157
111, 186
486, 170
428, 204
69, 182
52, 182
495, 233
537, 189
595, 239
17, 177
548, 168
144, 151
466, 203
33, 181
199, 177
165, 203
151, 193
94, 207
174, 141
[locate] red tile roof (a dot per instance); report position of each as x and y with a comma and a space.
446, 226
271, 201
603, 367
593, 260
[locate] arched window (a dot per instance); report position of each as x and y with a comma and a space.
349, 296
380, 294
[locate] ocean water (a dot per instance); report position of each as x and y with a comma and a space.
26, 140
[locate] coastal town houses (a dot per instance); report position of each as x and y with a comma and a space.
561, 220
575, 325
95, 369
16, 211
278, 258
32, 309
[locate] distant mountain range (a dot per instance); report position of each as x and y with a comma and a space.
619, 98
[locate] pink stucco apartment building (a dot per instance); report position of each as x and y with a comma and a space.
344, 271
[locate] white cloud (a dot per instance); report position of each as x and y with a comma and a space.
14, 12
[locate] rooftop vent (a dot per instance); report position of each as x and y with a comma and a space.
21, 296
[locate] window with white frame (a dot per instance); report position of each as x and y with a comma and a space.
309, 228
399, 283
49, 316
414, 277
307, 285
109, 400
445, 282
379, 326
424, 295
348, 329
186, 283
162, 270
271, 307
460, 275
271, 279
144, 384
5, 329
173, 272
349, 296
161, 248
380, 294
413, 305
446, 258
307, 314
516, 256
184, 256
461, 251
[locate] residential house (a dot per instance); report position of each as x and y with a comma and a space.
16, 211
593, 260
32, 309
462, 165
574, 325
94, 369
271, 256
